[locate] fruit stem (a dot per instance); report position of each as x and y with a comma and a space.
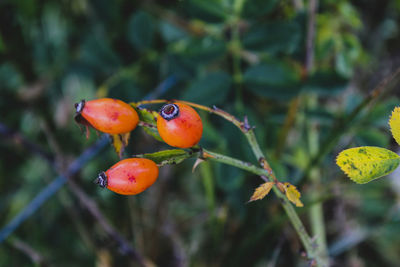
268, 174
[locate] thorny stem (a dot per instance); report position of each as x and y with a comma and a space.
236, 163
287, 206
267, 174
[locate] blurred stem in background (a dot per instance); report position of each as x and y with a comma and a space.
85, 200
316, 212
236, 47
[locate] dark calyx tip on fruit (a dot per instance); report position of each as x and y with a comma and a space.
101, 180
169, 111
80, 105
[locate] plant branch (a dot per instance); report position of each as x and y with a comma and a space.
312, 252
34, 255
267, 173
316, 215
123, 244
20, 140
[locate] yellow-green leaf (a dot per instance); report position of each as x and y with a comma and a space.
148, 121
364, 164
394, 123
120, 141
293, 194
262, 191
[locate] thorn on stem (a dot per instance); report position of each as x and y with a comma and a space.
245, 125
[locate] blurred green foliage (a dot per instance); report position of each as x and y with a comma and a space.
246, 57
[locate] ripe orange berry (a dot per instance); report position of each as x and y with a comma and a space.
107, 115
179, 125
129, 176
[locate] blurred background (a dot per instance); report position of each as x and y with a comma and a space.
299, 69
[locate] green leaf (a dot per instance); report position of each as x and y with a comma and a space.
364, 164
203, 90
207, 10
275, 37
394, 123
202, 50
274, 80
228, 178
320, 115
141, 30
97, 53
2, 45
170, 32
148, 121
256, 8
372, 137
179, 66
10, 78
325, 83
171, 156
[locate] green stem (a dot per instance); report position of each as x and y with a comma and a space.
266, 173
287, 206
316, 215
238, 6
318, 229
236, 47
236, 163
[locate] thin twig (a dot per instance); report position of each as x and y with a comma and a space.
91, 206
312, 10
52, 188
35, 256
236, 48
316, 211
57, 183
18, 139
